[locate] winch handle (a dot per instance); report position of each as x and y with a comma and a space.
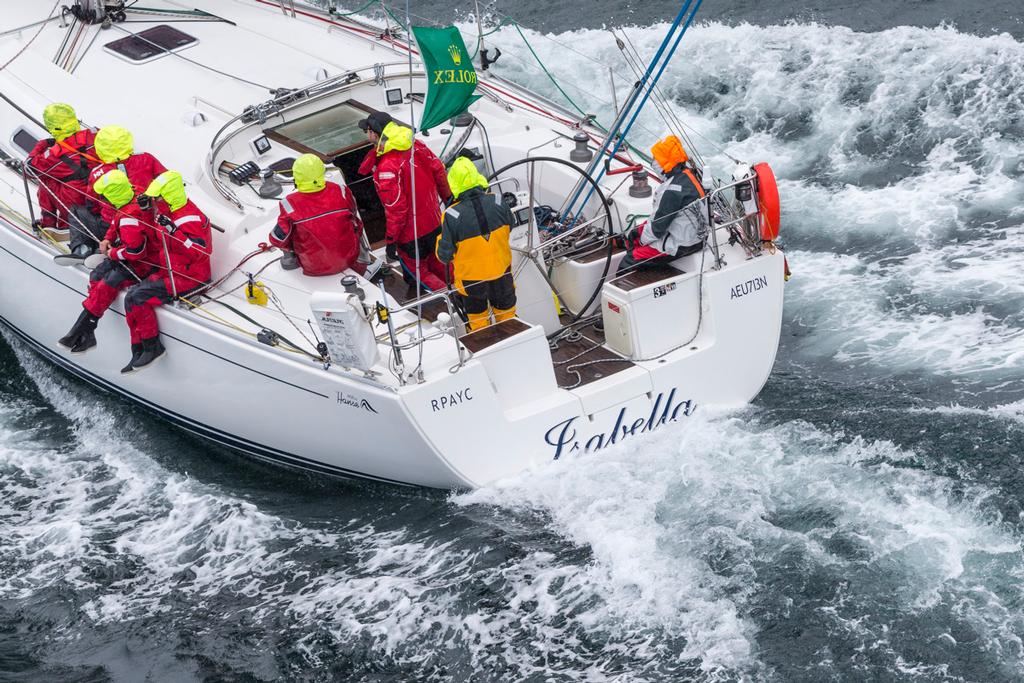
625, 169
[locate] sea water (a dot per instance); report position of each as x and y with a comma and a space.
860, 521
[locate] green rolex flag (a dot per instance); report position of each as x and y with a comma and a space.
451, 78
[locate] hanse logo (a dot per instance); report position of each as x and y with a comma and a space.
355, 402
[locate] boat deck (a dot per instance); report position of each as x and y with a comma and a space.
401, 292
572, 358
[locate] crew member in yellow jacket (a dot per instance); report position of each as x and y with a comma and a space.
474, 238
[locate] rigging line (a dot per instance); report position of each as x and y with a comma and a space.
664, 62
85, 51
192, 61
682, 124
639, 97
64, 43
27, 26
66, 61
412, 186
630, 109
243, 316
667, 114
634, 61
33, 38
664, 106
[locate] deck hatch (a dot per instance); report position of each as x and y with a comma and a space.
326, 133
150, 44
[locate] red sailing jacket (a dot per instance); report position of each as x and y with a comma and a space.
63, 169
190, 244
133, 240
322, 228
391, 177
141, 169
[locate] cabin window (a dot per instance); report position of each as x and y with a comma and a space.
334, 134
150, 44
24, 140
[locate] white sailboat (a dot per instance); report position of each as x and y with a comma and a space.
402, 392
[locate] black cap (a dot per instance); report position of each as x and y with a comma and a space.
376, 122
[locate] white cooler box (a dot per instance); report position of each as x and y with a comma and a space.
648, 312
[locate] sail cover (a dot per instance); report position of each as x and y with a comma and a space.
451, 78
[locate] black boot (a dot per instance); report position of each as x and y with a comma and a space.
75, 256
136, 355
151, 350
289, 261
86, 338
70, 340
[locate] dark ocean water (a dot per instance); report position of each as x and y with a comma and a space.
861, 521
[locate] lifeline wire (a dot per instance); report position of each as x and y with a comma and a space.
412, 187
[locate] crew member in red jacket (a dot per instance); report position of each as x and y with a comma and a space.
186, 235
63, 163
131, 255
390, 160
115, 147
319, 226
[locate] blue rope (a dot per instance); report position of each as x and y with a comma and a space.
657, 78
632, 104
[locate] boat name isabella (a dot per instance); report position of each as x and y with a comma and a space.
565, 438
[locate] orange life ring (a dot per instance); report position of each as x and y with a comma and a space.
768, 201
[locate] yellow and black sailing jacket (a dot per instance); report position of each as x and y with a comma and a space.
474, 235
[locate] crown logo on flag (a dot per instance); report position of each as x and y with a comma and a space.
456, 54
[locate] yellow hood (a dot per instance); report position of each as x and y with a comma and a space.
464, 175
308, 172
171, 186
394, 137
60, 119
114, 144
115, 187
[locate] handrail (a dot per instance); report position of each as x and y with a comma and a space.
705, 201
416, 304
278, 105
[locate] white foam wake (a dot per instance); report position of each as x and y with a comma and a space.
862, 312
695, 532
902, 143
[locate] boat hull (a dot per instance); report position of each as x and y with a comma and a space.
498, 415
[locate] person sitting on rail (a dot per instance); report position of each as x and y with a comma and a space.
115, 148
131, 254
389, 161
475, 238
62, 164
184, 231
675, 228
319, 226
